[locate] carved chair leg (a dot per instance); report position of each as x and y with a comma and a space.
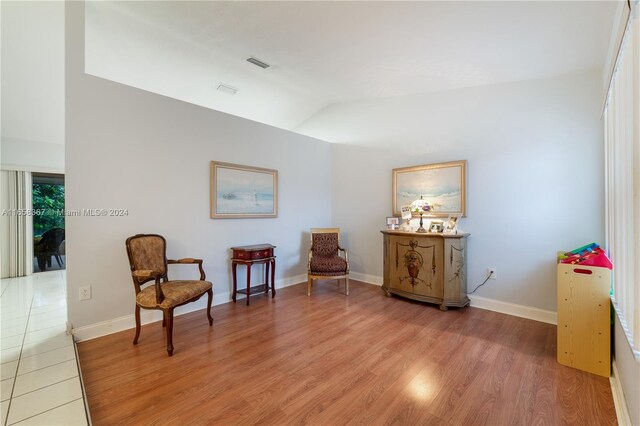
169, 315
346, 284
164, 321
209, 300
309, 286
135, 339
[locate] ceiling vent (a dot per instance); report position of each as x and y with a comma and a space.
227, 89
258, 62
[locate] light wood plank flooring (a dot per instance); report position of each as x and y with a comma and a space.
330, 359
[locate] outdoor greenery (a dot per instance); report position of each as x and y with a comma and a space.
48, 206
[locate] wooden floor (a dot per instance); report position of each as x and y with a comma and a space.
330, 359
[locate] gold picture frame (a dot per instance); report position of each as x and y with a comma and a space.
451, 224
443, 185
241, 192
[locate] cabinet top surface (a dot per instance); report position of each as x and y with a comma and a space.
425, 234
254, 247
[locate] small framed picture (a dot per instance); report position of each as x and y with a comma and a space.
393, 223
406, 212
406, 215
436, 226
451, 225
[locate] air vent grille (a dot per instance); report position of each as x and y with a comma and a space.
227, 89
258, 62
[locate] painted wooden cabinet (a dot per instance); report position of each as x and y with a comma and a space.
427, 267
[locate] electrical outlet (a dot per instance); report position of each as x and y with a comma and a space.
491, 272
85, 293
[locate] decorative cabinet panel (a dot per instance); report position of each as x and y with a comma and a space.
426, 267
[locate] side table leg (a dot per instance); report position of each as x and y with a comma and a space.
248, 283
266, 277
234, 266
273, 280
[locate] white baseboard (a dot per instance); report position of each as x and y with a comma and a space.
522, 311
619, 401
369, 279
127, 322
528, 312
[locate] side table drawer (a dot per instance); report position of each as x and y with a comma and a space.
253, 254
261, 254
241, 254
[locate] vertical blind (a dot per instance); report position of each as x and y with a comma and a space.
622, 181
18, 224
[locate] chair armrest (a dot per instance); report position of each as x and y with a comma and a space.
189, 260
346, 256
147, 273
185, 260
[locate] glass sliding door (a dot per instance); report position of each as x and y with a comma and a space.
48, 222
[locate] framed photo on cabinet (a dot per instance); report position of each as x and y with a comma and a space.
451, 224
393, 223
436, 226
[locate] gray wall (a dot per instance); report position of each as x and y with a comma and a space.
535, 175
131, 149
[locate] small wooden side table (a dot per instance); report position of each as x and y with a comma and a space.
260, 254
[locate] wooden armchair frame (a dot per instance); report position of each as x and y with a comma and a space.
142, 276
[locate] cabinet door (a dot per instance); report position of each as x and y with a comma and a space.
416, 265
455, 271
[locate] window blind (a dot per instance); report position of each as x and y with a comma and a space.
622, 181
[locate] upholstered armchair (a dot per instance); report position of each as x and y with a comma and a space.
148, 260
325, 261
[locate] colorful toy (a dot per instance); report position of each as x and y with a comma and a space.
591, 255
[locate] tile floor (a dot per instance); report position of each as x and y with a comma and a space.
54, 264
40, 382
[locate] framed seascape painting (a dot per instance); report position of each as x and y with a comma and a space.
442, 185
243, 191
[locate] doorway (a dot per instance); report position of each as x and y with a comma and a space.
48, 222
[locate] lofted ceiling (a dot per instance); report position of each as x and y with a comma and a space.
322, 53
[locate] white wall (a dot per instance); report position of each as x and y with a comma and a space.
131, 149
32, 119
535, 174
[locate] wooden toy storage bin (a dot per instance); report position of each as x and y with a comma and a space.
584, 317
